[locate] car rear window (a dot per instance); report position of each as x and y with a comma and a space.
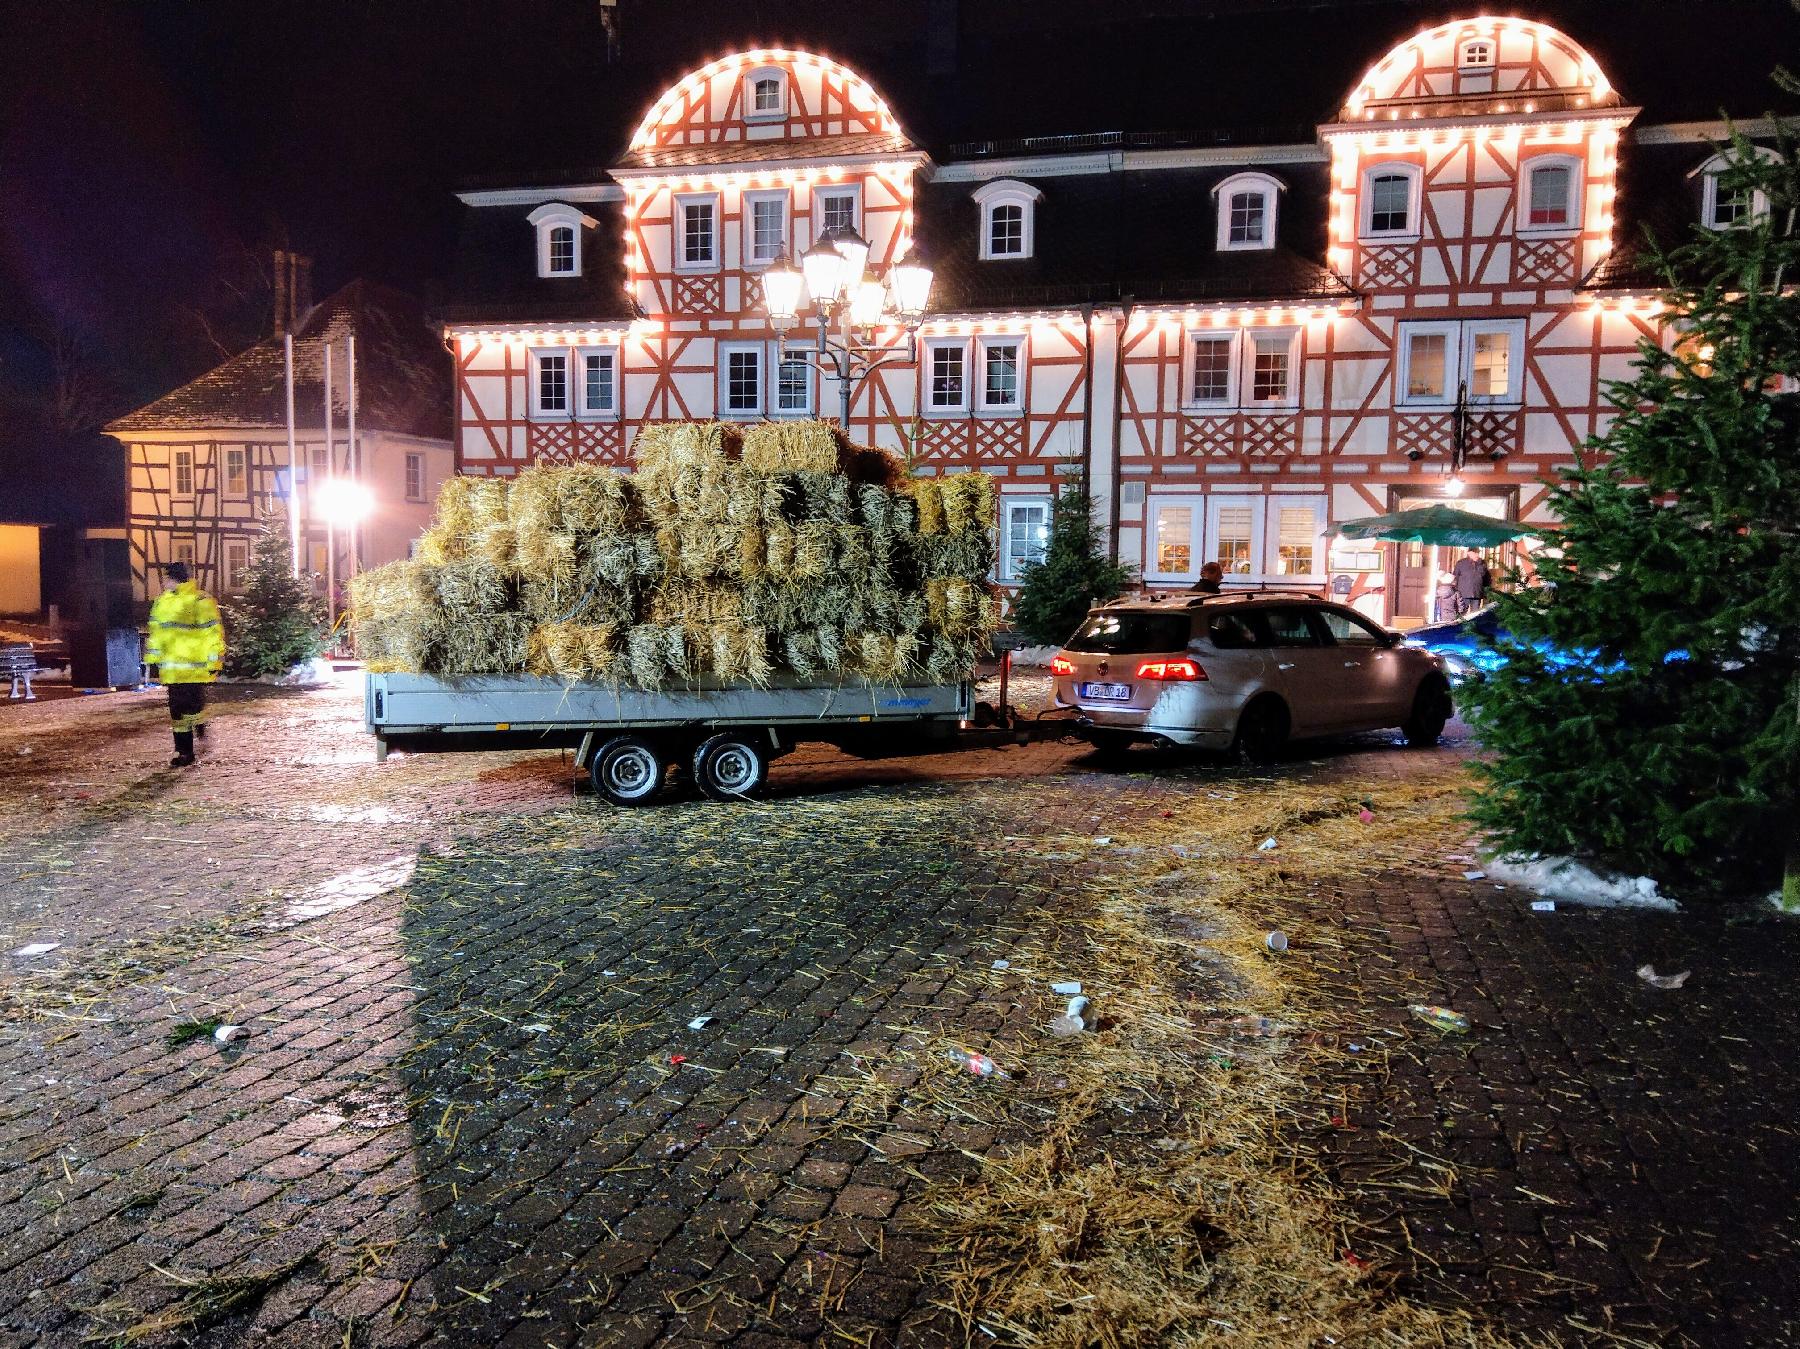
1115, 633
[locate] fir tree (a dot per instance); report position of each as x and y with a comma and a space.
1669, 748
276, 622
1056, 593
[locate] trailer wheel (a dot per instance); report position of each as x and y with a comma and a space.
731, 765
628, 770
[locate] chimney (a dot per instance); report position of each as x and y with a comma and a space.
300, 294
283, 311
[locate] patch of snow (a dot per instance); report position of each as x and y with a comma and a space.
1574, 882
308, 674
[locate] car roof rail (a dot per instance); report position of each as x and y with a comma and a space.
1239, 596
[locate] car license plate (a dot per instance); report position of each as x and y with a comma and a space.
1112, 693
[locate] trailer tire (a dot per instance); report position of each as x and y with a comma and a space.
628, 770
731, 765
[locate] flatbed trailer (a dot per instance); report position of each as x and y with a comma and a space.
724, 735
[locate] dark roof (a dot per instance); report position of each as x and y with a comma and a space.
494, 277
1145, 235
755, 151
1659, 199
403, 373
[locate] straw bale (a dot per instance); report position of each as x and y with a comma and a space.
778, 550
970, 554
535, 503
928, 500
645, 656
752, 549
875, 506
668, 445
487, 501
830, 642
474, 586
814, 546
456, 515
970, 502
956, 606
885, 658
807, 446
592, 497
573, 651
801, 650
949, 660
475, 643
650, 565
439, 545
825, 497
546, 554
678, 652
910, 613
853, 555
498, 546
610, 557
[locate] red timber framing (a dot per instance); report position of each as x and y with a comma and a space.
1464, 113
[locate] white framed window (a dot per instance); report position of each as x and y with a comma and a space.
1296, 529
836, 208
1008, 224
765, 227
1429, 356
237, 471
1002, 373
550, 383
1390, 201
765, 94
1246, 211
793, 385
1024, 533
559, 227
1271, 368
1211, 368
415, 477
1723, 208
237, 563
182, 550
1234, 533
946, 374
1475, 53
321, 464
181, 473
740, 379
1484, 360
597, 381
1551, 198
1174, 538
696, 233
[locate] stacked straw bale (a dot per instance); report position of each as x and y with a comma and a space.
777, 551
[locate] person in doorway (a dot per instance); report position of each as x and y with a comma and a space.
1472, 579
1211, 582
187, 647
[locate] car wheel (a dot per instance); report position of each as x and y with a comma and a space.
731, 766
1430, 710
1262, 731
628, 770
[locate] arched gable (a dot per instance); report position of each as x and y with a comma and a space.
1480, 58
712, 106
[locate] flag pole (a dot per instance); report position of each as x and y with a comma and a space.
355, 450
293, 502
330, 527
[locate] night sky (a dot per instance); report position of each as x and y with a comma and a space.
151, 154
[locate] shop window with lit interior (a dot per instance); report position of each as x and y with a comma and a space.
1551, 200
1246, 212
1391, 202
1008, 219
765, 94
1174, 537
559, 227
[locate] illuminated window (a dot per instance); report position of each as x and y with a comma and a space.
1391, 201
1008, 210
1549, 195
1025, 529
1297, 540
1174, 541
1427, 365
1246, 211
947, 377
1490, 365
1234, 537
740, 379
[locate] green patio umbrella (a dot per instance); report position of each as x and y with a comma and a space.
1433, 524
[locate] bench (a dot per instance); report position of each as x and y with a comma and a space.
18, 663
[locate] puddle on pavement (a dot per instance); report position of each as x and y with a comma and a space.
356, 815
348, 888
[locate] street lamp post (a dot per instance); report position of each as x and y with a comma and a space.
852, 305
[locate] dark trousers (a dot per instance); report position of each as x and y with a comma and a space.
187, 714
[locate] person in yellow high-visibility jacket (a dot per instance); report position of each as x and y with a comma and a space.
187, 645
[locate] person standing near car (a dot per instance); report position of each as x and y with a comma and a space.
1472, 579
1211, 582
187, 646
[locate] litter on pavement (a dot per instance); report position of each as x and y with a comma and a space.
226, 1034
1068, 988
1543, 906
978, 1064
1276, 941
699, 1023
1267, 845
1073, 1021
1441, 1018
37, 948
1649, 975
1002, 965
1474, 875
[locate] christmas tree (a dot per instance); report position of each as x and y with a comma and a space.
276, 622
1056, 593
1645, 717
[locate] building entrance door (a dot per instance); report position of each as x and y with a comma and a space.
1418, 566
1412, 592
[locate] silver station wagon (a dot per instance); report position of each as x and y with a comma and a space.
1244, 671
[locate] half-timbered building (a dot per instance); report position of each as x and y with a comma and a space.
209, 462
1232, 344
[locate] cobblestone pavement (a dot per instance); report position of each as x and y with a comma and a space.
683, 1075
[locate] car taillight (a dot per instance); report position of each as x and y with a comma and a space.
1059, 666
1171, 669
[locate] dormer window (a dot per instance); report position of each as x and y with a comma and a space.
559, 227
1476, 53
1391, 201
1246, 211
1724, 207
1551, 202
1008, 227
765, 94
